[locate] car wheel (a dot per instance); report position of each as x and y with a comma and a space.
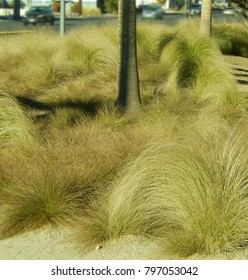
52, 22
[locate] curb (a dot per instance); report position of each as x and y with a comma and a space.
7, 33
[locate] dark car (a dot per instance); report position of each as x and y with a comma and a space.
39, 14
194, 10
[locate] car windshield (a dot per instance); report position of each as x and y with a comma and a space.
152, 8
37, 9
195, 6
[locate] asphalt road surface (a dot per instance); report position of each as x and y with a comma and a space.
75, 22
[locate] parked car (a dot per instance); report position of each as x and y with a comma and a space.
229, 11
39, 14
152, 11
194, 10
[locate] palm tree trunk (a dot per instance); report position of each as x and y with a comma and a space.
206, 19
17, 6
128, 99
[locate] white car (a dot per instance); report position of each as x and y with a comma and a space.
152, 11
228, 11
194, 10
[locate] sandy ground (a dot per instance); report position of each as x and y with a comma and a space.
51, 245
47, 244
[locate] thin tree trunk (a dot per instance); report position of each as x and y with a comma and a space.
128, 99
80, 7
206, 19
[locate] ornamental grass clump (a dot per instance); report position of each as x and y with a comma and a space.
232, 39
191, 57
197, 69
38, 190
87, 54
54, 183
15, 127
190, 194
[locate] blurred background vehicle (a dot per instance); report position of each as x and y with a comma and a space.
39, 14
228, 11
152, 12
193, 10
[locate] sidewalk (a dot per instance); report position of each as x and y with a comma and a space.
239, 68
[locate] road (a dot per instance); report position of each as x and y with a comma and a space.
169, 19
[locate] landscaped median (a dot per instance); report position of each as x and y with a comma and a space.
174, 174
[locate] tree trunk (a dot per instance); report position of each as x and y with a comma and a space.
100, 5
206, 19
17, 6
128, 99
80, 8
